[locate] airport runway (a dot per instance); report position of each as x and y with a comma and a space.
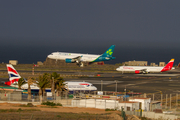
142, 83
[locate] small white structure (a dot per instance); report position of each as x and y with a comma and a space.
96, 103
13, 62
129, 105
144, 103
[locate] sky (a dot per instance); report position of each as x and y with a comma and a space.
140, 29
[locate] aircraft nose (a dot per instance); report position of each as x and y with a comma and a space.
49, 56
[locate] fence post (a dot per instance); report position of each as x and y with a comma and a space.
144, 95
177, 100
170, 101
161, 100
66, 98
105, 103
95, 102
85, 102
166, 100
153, 96
115, 104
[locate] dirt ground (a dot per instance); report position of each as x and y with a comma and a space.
59, 109
56, 109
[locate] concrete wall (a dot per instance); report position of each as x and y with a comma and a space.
158, 116
112, 104
11, 96
95, 103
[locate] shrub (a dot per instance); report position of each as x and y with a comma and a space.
51, 104
19, 110
59, 104
110, 109
30, 105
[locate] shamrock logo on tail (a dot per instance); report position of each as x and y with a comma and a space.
109, 52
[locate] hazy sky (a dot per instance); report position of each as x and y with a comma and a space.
89, 25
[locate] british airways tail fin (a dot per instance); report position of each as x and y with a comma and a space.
168, 66
13, 75
109, 51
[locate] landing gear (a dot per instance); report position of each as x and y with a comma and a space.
81, 64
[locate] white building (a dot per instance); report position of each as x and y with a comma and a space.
144, 103
13, 62
129, 105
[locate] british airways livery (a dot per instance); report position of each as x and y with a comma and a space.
70, 86
80, 58
14, 77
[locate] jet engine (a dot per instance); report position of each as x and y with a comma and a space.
137, 72
70, 61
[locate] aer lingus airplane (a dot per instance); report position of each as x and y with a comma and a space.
80, 58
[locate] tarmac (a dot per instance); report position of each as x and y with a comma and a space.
167, 82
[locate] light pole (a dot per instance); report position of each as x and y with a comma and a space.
53, 92
125, 99
116, 85
101, 85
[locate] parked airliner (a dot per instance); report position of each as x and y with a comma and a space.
146, 69
70, 86
14, 77
79, 86
80, 58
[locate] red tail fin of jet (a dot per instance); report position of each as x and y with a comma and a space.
168, 66
13, 75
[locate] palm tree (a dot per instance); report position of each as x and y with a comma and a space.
56, 82
43, 82
21, 82
31, 80
60, 86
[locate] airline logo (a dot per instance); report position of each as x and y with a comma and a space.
168, 66
109, 52
13, 75
83, 84
125, 67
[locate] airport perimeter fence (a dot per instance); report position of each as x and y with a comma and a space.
35, 99
168, 101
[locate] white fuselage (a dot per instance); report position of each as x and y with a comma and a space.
135, 68
84, 86
25, 86
64, 55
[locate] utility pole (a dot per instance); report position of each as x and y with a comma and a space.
33, 70
101, 85
53, 91
116, 86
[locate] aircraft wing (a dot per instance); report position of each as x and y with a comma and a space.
77, 58
144, 70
